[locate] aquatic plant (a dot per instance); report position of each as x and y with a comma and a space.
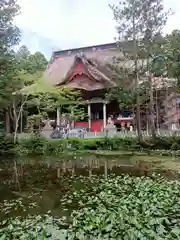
119, 207
129, 208
32, 228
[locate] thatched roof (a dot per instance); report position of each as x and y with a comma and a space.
89, 77
95, 74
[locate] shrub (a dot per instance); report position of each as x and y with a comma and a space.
53, 147
162, 143
103, 143
6, 144
83, 144
36, 144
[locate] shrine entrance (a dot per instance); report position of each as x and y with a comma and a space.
97, 115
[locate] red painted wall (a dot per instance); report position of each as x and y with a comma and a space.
96, 125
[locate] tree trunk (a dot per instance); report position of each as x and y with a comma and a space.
16, 121
151, 110
7, 121
138, 117
17, 117
13, 121
21, 122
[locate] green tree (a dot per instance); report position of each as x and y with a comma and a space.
9, 32
31, 63
31, 68
22, 56
139, 22
25, 78
23, 53
166, 58
9, 36
46, 98
37, 62
124, 93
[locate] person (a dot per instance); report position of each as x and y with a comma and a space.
110, 121
119, 117
131, 128
123, 127
68, 127
174, 128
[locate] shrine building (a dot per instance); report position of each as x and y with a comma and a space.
86, 69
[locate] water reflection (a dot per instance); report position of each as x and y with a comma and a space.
20, 173
48, 182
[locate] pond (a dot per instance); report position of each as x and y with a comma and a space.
38, 191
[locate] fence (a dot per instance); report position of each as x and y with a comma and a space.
85, 134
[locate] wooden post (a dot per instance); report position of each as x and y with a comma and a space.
72, 125
58, 117
105, 169
89, 116
58, 172
104, 115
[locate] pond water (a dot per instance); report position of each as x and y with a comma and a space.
38, 185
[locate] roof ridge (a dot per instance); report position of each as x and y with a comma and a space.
111, 44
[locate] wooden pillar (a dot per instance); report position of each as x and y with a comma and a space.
105, 170
89, 116
72, 121
58, 117
58, 172
104, 115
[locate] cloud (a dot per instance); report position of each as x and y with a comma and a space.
66, 23
70, 23
36, 42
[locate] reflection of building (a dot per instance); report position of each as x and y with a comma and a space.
85, 69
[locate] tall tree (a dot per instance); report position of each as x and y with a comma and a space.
166, 58
22, 56
139, 22
37, 62
9, 36
31, 63
23, 52
9, 33
30, 71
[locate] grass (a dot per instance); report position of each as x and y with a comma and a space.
109, 153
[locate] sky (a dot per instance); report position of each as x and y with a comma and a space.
49, 25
